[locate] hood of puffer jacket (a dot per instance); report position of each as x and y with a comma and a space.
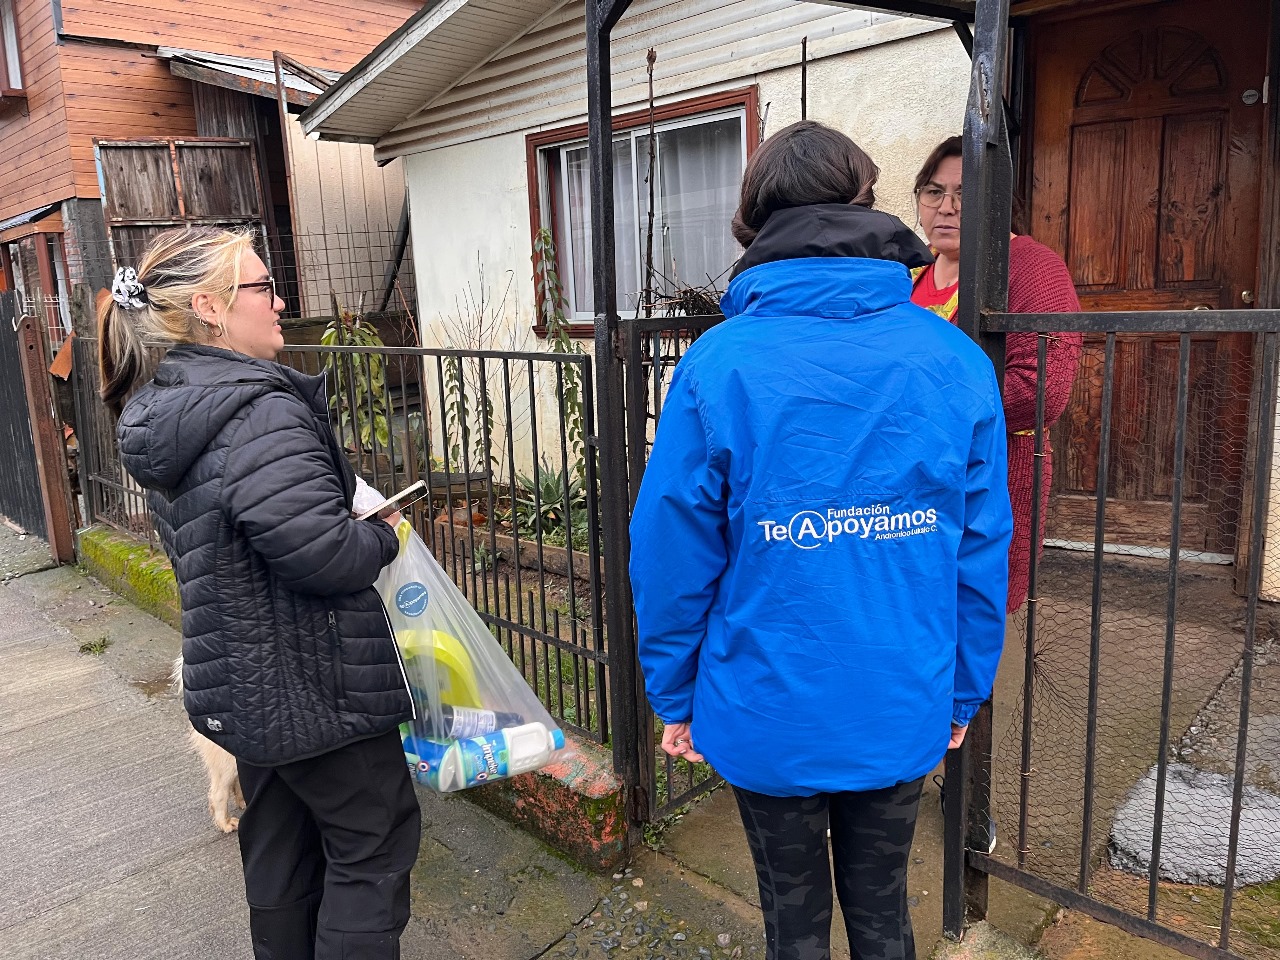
196, 391
834, 230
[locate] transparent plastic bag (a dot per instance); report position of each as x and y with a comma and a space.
476, 718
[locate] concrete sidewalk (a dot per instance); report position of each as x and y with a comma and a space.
107, 851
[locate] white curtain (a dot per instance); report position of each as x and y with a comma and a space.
699, 171
576, 214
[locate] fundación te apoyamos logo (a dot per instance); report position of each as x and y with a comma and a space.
810, 529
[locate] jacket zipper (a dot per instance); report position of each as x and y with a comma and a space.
404, 675
335, 646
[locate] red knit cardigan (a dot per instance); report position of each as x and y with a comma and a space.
1038, 283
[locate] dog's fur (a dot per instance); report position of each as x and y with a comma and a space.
224, 779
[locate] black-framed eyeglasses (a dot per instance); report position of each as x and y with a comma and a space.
269, 285
932, 197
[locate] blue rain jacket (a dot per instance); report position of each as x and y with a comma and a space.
819, 547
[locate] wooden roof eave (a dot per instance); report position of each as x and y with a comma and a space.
945, 10
259, 88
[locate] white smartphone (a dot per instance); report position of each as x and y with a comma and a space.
394, 499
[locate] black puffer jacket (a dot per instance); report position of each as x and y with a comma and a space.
288, 651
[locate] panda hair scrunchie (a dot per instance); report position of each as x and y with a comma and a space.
128, 291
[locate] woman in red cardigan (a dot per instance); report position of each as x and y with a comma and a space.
1038, 283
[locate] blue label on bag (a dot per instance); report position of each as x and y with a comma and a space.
411, 599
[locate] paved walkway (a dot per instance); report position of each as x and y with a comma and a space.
107, 851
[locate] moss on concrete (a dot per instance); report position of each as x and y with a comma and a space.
133, 570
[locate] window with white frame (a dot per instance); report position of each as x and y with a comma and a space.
10, 58
698, 164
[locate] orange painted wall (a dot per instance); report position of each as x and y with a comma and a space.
116, 93
35, 162
320, 33
80, 90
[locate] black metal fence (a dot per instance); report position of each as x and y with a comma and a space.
21, 499
1126, 779
505, 445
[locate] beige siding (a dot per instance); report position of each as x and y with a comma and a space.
347, 212
538, 79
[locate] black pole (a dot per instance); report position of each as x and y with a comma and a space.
804, 79
397, 257
984, 287
627, 706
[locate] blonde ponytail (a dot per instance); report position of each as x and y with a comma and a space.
176, 266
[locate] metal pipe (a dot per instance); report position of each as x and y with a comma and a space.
1095, 621
1171, 619
1033, 602
1257, 530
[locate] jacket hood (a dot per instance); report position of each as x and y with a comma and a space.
834, 230
196, 391
826, 260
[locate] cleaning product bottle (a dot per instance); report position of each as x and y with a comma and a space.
424, 757
503, 753
459, 723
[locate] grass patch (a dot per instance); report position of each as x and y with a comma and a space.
95, 648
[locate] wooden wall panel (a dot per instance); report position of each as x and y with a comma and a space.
348, 209
320, 33
115, 93
35, 168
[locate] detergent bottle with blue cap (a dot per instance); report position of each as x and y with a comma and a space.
492, 756
476, 717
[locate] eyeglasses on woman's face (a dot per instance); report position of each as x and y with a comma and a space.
267, 286
931, 196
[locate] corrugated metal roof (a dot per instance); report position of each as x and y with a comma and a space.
253, 75
436, 47
31, 216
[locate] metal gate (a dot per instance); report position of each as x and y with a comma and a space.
20, 494
1127, 659
1131, 732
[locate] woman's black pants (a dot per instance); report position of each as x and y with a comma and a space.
327, 845
871, 834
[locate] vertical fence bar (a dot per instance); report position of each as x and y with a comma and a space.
1171, 619
1257, 529
984, 287
1033, 601
590, 447
615, 503
1095, 622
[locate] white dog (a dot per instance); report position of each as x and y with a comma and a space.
224, 779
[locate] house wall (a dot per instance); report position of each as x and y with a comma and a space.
470, 199
320, 33
117, 93
347, 213
35, 166
538, 79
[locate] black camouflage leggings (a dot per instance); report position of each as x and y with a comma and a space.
871, 834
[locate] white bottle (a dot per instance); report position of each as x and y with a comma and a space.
503, 753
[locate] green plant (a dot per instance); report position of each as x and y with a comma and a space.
551, 304
96, 648
359, 393
550, 503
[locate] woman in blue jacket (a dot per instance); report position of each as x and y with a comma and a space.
819, 545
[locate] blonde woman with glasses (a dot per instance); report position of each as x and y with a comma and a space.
289, 662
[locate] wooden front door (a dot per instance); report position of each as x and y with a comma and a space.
1145, 158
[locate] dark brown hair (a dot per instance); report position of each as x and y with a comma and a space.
800, 165
950, 147
954, 147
